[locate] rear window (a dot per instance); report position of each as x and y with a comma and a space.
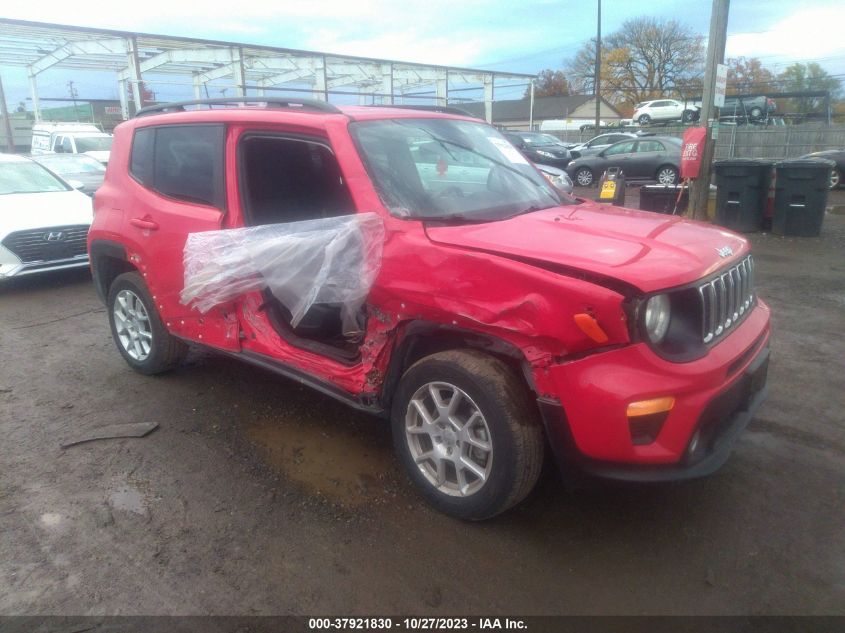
184, 162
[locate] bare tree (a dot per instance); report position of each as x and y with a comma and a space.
647, 57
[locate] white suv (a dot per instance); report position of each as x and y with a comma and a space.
44, 221
665, 110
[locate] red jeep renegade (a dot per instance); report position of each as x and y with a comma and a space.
481, 311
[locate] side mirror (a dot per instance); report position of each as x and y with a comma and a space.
76, 184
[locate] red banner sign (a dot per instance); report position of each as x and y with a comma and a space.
692, 150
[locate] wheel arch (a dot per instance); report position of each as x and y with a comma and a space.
420, 339
108, 261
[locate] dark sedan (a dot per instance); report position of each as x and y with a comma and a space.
540, 148
89, 171
838, 157
653, 158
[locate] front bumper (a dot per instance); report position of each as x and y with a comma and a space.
715, 398
19, 270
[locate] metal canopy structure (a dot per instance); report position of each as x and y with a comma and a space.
252, 70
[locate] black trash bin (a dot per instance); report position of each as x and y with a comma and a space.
801, 196
743, 184
662, 198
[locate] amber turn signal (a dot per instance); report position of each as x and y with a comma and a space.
650, 407
590, 327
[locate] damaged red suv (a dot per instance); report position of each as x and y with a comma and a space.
414, 265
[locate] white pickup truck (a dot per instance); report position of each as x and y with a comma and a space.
71, 138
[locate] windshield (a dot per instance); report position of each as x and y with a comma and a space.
450, 169
71, 164
93, 143
28, 177
540, 139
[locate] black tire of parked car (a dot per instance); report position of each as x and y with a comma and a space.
584, 177
835, 178
644, 119
166, 351
756, 113
516, 434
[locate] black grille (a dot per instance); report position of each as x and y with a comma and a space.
48, 244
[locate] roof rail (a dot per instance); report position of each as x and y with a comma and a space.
279, 102
431, 108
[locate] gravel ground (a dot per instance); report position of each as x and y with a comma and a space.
257, 496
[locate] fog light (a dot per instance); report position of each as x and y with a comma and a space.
646, 418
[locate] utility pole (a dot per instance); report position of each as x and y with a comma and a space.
7, 123
710, 113
597, 82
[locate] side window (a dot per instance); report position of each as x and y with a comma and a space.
141, 163
650, 146
184, 162
57, 144
621, 148
67, 147
287, 180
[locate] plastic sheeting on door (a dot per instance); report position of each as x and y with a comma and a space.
332, 260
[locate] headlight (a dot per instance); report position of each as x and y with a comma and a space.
547, 154
657, 315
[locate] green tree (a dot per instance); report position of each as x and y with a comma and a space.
550, 83
808, 77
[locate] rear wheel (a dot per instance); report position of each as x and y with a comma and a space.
756, 113
467, 432
584, 176
667, 175
835, 178
136, 327
688, 116
644, 119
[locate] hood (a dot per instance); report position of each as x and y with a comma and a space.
648, 251
22, 211
100, 155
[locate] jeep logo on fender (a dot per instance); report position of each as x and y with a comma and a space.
725, 251
54, 236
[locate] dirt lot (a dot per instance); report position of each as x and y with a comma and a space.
256, 496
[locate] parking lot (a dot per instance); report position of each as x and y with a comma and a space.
257, 496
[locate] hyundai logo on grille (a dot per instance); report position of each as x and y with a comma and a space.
54, 236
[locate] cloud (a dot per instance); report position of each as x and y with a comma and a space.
808, 33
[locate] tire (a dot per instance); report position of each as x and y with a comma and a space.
144, 342
667, 175
756, 113
584, 177
493, 410
835, 178
687, 116
644, 119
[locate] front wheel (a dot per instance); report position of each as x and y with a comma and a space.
467, 432
584, 177
644, 119
138, 332
756, 113
667, 175
835, 178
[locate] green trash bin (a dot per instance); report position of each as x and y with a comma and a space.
801, 191
743, 185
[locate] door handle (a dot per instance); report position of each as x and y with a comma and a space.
144, 223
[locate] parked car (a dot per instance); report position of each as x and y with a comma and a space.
540, 148
663, 110
79, 167
651, 158
71, 138
598, 143
43, 220
558, 177
750, 108
838, 157
483, 317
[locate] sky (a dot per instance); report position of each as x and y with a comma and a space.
522, 36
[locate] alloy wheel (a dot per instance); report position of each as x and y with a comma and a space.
584, 177
132, 324
449, 439
667, 176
